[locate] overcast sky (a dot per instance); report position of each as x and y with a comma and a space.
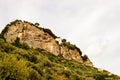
92, 25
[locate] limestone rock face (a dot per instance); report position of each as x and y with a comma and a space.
37, 37
88, 62
71, 54
31, 35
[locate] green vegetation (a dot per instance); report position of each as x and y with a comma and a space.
71, 46
49, 32
85, 58
13, 68
21, 63
20, 45
36, 24
12, 23
46, 30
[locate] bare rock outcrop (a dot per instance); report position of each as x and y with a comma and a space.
37, 37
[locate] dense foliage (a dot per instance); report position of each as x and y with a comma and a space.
19, 62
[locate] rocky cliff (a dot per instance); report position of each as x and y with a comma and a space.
37, 37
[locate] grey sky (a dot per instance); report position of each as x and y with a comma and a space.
93, 25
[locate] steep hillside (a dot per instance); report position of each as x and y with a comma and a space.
37, 37
21, 60
25, 63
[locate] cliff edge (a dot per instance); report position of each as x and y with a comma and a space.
37, 37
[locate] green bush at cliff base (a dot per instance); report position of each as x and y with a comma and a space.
12, 68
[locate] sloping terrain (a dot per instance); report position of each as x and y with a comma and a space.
20, 61
38, 37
